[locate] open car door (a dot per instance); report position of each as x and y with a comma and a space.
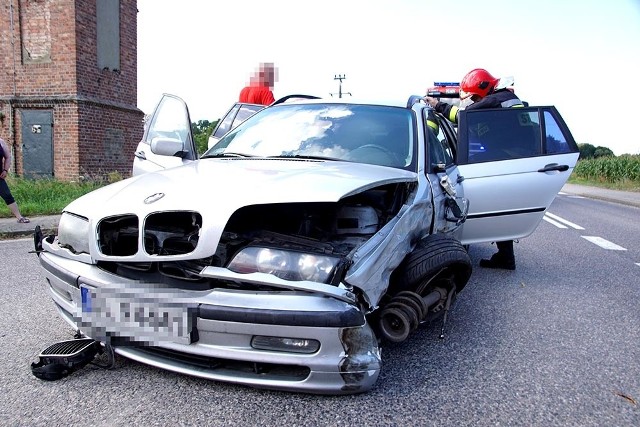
167, 141
514, 162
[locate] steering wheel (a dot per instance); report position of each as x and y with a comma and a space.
388, 157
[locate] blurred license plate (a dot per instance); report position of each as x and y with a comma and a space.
149, 316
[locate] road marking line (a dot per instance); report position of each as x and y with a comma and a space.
605, 244
638, 264
550, 221
564, 221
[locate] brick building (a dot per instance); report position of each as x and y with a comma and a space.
68, 86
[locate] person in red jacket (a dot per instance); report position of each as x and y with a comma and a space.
480, 86
259, 89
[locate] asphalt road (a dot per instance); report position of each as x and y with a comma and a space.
554, 343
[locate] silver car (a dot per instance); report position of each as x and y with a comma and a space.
304, 240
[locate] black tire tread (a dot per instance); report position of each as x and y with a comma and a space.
430, 256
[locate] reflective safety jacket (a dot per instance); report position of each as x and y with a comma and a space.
501, 98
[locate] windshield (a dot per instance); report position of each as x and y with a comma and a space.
356, 133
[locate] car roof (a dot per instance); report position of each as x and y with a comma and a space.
352, 100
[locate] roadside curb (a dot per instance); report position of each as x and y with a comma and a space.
11, 229
628, 198
19, 234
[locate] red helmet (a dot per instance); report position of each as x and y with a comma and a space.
477, 82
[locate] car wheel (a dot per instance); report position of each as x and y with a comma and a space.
437, 261
423, 285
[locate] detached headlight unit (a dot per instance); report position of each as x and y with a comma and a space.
73, 233
288, 265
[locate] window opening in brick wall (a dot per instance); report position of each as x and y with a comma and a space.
35, 34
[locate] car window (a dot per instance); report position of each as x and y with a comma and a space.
244, 113
503, 134
439, 147
227, 121
358, 133
170, 121
555, 140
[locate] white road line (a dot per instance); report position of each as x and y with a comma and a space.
638, 264
564, 221
550, 221
605, 244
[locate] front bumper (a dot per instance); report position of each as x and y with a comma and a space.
222, 324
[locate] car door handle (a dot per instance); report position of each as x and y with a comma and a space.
459, 179
554, 167
141, 155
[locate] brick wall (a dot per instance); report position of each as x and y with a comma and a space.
48, 55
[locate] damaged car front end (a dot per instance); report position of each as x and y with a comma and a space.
264, 263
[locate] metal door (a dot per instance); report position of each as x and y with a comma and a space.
37, 143
514, 162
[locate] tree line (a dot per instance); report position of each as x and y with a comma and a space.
202, 130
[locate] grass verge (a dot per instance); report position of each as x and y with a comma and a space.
620, 185
45, 196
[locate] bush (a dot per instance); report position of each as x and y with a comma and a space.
603, 152
586, 151
201, 131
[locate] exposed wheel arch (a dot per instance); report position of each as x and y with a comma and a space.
423, 286
436, 255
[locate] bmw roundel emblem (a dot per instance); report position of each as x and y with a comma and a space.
153, 198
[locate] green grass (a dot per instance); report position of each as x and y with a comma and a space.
617, 173
44, 196
622, 185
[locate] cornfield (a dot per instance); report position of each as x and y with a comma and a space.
625, 168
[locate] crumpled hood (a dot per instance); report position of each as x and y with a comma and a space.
216, 188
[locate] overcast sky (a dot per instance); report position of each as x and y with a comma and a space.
583, 56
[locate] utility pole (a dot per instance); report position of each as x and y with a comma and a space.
340, 77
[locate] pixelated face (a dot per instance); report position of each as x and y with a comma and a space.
267, 73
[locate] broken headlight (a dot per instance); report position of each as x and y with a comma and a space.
288, 265
73, 233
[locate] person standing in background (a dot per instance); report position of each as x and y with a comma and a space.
259, 89
5, 193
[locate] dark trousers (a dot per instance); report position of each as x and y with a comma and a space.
5, 193
506, 249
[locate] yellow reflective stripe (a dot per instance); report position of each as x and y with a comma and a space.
453, 113
433, 125
512, 103
517, 106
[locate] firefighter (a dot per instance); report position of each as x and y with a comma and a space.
480, 87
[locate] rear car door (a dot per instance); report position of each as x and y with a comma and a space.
170, 121
513, 162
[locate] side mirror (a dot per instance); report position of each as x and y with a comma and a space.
167, 147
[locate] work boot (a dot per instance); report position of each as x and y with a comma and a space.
504, 258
